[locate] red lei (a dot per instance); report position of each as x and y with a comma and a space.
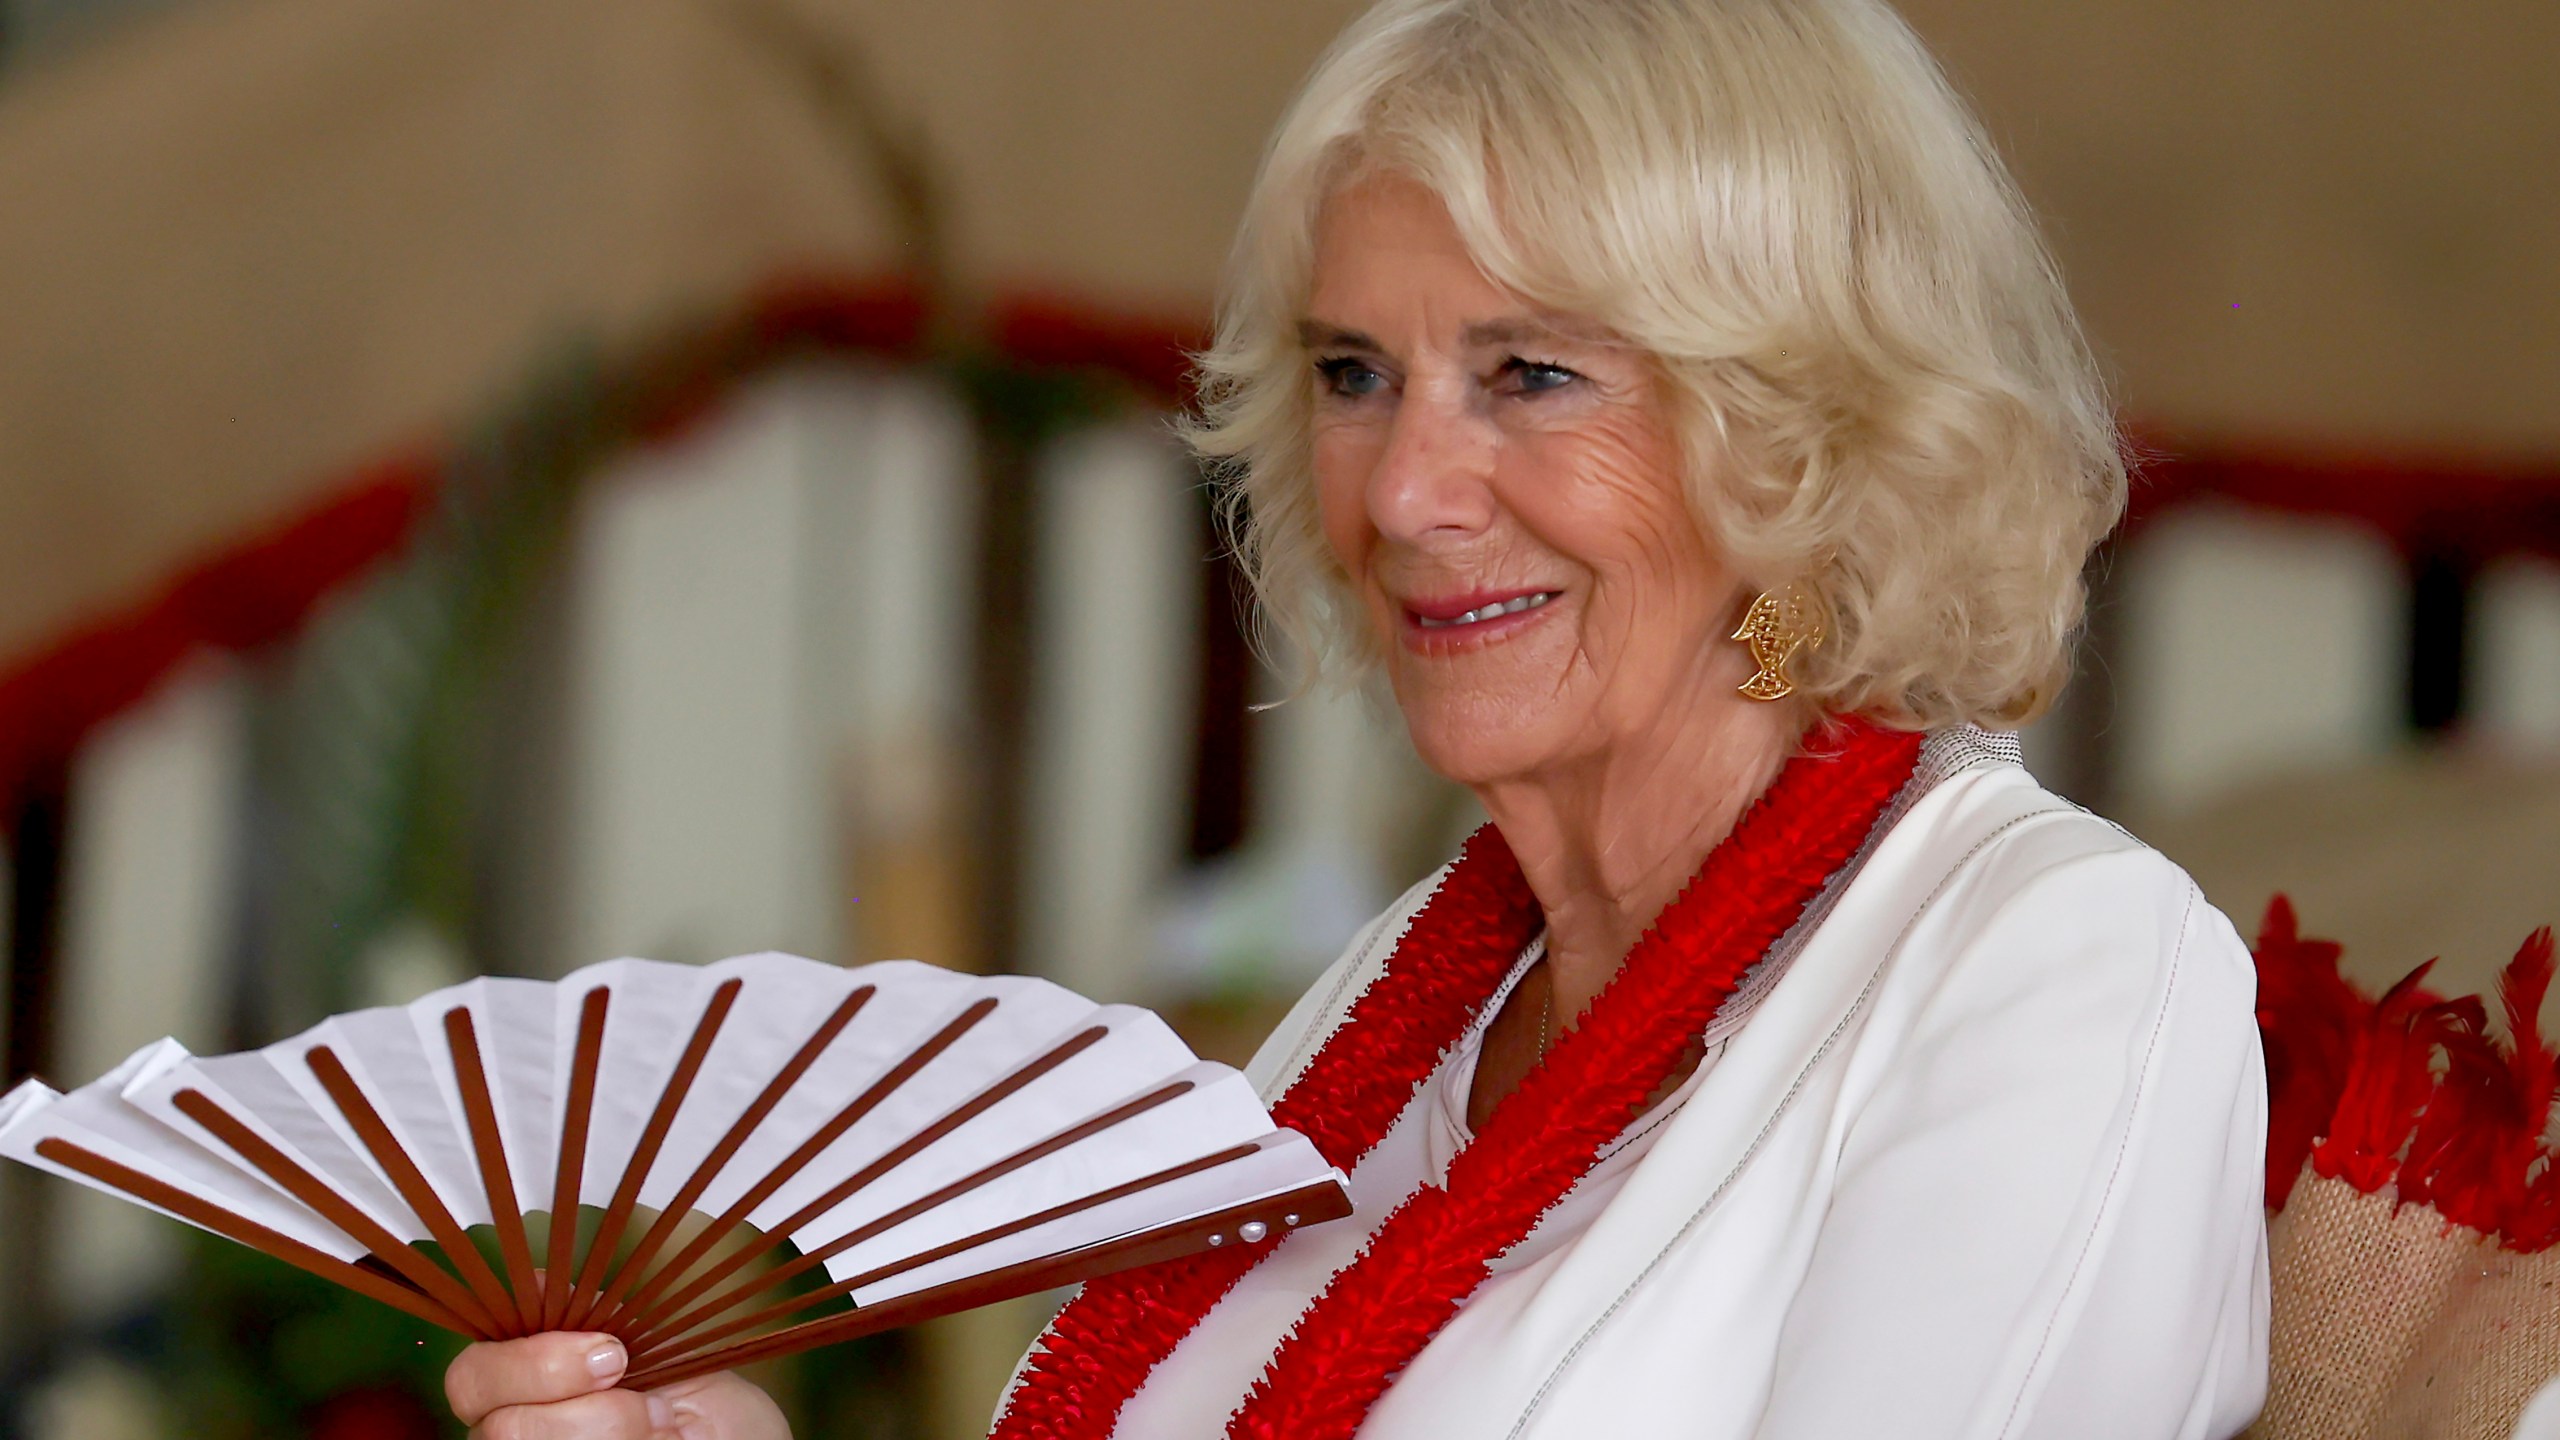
1429, 1255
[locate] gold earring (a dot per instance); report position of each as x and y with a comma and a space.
1779, 623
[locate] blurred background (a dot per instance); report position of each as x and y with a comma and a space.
486, 487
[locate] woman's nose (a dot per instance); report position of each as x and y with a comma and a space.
1434, 478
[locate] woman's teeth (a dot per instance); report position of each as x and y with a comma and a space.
1487, 612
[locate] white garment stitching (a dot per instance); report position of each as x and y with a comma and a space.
2115, 1171
1758, 1140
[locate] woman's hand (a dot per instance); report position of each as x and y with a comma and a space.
561, 1386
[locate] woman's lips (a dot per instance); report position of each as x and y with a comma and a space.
1444, 622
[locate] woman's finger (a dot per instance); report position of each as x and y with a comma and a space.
535, 1370
724, 1407
606, 1415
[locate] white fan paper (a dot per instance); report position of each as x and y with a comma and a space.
931, 1140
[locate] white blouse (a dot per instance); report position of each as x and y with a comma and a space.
1985, 1161
1206, 1377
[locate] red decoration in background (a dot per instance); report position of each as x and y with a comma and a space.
878, 317
2479, 507
261, 590
247, 597
1153, 355
788, 317
2410, 1092
380, 1413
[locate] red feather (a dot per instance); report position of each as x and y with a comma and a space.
2452, 1160
2309, 1018
2521, 988
2390, 1078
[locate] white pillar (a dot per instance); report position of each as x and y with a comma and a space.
1114, 694
1345, 816
2253, 645
901, 528
2516, 656
766, 671
698, 818
149, 894
1349, 812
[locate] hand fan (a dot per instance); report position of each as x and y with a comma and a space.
933, 1141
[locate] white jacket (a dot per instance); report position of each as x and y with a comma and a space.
1984, 1162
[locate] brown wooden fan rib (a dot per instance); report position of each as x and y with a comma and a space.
735, 1217
406, 1178
302, 1185
665, 1331
651, 1351
389, 1288
905, 1150
754, 1115
506, 1208
626, 1196
1312, 1204
576, 1114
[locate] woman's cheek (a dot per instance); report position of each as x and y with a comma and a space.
1341, 489
1620, 514
1608, 501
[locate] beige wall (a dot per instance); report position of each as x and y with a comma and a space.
1100, 149
258, 241
2296, 219
2299, 220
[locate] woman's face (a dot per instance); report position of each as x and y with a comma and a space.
1502, 488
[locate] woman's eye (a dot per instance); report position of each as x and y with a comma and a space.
1533, 377
1349, 376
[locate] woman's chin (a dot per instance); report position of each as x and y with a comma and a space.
1477, 745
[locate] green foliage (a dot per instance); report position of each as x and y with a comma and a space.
259, 1351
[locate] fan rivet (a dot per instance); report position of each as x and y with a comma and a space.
1252, 1231
1288, 1219
1217, 1240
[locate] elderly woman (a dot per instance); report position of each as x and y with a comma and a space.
1673, 399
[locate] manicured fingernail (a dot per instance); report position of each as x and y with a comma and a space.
662, 1415
605, 1362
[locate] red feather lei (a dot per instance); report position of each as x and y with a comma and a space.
1431, 1252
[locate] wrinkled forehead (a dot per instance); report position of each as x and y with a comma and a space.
1385, 244
1552, 227
1370, 169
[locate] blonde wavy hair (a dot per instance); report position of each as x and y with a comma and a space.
1882, 391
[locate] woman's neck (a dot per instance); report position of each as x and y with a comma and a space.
1607, 842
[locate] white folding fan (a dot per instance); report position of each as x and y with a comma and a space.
935, 1141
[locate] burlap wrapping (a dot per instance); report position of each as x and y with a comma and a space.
2391, 1325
